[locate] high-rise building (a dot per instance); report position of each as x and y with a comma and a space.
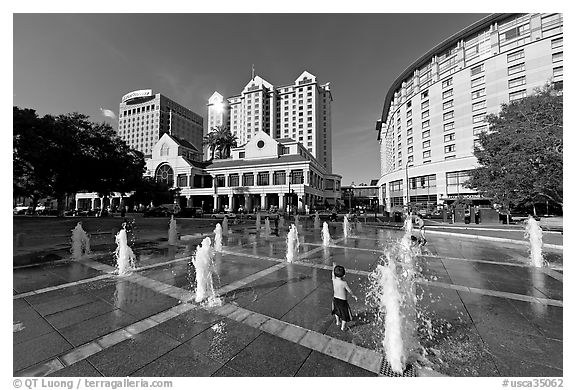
435, 109
144, 117
301, 111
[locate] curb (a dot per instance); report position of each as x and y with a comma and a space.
487, 238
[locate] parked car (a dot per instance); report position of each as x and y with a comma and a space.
20, 210
190, 212
222, 214
424, 213
263, 215
159, 211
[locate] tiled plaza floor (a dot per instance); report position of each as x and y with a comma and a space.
484, 310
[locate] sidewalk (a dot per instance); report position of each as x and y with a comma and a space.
552, 231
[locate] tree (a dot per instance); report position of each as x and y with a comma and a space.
520, 157
211, 142
30, 175
55, 156
220, 141
148, 190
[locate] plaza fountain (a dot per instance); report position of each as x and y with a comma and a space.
172, 232
392, 291
292, 244
533, 232
388, 300
325, 235
225, 226
203, 261
267, 228
124, 256
346, 227
258, 224
80, 242
316, 221
297, 223
218, 238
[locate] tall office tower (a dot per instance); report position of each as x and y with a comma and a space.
300, 111
436, 108
144, 117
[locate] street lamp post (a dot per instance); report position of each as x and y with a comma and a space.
289, 195
407, 190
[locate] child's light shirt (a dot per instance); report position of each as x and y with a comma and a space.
340, 288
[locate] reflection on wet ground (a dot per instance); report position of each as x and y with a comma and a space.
503, 329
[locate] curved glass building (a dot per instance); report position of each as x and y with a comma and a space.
435, 109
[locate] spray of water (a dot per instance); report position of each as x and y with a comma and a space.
225, 226
124, 256
389, 301
258, 224
292, 244
280, 224
80, 242
393, 292
346, 227
325, 235
267, 227
533, 232
203, 262
218, 238
172, 232
316, 221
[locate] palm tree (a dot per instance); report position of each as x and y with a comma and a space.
226, 141
220, 140
211, 141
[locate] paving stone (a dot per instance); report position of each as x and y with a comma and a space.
80, 369
39, 349
80, 353
226, 371
292, 333
496, 313
30, 325
339, 349
512, 366
366, 359
151, 306
315, 341
128, 356
77, 314
223, 340
113, 338
547, 319
318, 364
140, 326
30, 279
41, 369
95, 327
180, 362
526, 347
188, 324
255, 320
273, 326
270, 356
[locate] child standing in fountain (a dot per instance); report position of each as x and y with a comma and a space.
340, 307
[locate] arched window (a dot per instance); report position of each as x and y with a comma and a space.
165, 174
164, 150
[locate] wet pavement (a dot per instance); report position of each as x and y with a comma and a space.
484, 311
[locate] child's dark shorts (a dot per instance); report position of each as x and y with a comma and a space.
341, 308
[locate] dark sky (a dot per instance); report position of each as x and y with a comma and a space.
83, 62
